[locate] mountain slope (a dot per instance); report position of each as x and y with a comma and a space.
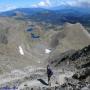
17, 39
79, 58
72, 37
18, 48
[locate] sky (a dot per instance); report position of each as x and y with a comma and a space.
12, 4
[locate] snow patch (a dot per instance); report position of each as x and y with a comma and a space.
21, 50
39, 62
47, 51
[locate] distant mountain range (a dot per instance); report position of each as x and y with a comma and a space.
56, 15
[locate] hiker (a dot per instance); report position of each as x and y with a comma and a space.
49, 74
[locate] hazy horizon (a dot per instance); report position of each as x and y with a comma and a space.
6, 5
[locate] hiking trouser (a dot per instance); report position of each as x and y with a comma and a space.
49, 81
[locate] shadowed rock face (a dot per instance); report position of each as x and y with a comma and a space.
80, 57
77, 61
82, 74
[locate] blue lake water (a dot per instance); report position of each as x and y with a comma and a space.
29, 30
34, 36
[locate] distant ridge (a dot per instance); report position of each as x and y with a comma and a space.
60, 15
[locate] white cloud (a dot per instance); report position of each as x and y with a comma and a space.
44, 3
85, 2
74, 2
53, 3
49, 3
6, 7
80, 3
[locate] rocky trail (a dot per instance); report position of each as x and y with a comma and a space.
28, 77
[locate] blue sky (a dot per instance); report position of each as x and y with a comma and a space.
12, 4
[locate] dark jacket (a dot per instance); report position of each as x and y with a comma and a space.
49, 71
